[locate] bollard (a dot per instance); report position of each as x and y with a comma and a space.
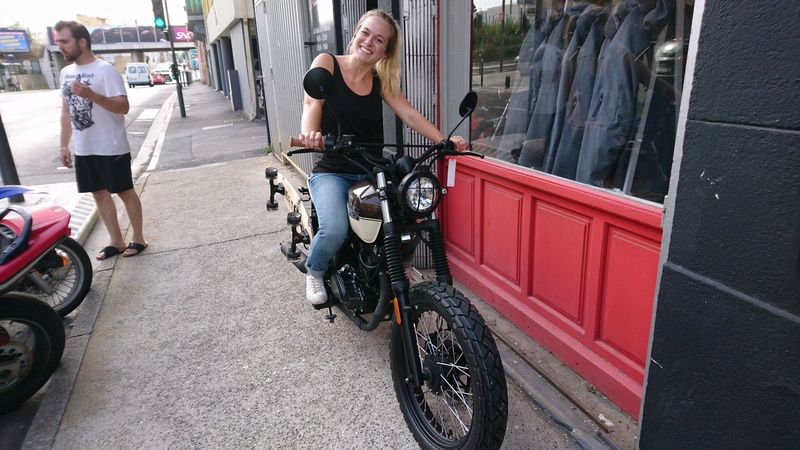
8, 170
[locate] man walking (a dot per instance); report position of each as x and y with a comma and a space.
93, 112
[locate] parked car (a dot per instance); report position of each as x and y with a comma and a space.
158, 79
163, 69
138, 74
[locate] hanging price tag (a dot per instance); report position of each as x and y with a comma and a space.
451, 172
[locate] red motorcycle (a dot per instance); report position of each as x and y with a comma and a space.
55, 268
37, 256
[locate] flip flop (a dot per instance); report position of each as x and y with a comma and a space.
139, 248
108, 252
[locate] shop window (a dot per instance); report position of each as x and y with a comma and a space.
584, 90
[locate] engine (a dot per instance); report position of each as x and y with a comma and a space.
355, 283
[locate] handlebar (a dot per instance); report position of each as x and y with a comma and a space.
445, 146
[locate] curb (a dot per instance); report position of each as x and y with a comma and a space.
47, 420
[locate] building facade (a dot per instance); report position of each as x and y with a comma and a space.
230, 50
589, 205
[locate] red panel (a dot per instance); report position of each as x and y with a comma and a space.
585, 260
629, 284
459, 225
560, 246
605, 376
501, 237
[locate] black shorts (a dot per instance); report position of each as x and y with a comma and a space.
112, 173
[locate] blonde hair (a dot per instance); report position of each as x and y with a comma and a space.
388, 69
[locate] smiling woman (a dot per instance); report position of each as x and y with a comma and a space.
362, 80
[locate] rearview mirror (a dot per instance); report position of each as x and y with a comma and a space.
468, 104
318, 83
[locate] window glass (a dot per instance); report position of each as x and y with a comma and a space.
584, 90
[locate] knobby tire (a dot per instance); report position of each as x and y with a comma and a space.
465, 406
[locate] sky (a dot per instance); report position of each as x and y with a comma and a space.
40, 14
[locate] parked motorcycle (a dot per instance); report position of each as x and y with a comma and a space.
55, 268
31, 333
446, 369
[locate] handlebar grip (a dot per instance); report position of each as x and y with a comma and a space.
295, 142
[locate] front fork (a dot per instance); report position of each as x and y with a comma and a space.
400, 287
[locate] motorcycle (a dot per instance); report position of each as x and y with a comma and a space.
55, 269
447, 373
32, 336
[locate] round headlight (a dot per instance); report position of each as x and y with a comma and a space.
420, 193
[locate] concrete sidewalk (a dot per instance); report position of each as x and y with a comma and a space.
205, 340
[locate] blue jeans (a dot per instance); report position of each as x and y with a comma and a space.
329, 193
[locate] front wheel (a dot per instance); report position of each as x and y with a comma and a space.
62, 278
464, 402
31, 344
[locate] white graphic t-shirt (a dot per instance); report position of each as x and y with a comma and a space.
95, 130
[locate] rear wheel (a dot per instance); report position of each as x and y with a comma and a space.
31, 344
464, 402
62, 278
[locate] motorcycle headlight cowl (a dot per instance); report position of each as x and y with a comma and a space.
419, 193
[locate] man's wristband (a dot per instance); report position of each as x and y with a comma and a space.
64, 148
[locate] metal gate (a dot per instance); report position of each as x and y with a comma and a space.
420, 74
419, 30
282, 29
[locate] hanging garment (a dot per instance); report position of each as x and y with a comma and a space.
592, 18
550, 21
565, 160
544, 88
612, 116
651, 150
517, 115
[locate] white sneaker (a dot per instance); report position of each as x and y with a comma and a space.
315, 290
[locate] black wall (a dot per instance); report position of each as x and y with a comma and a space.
725, 348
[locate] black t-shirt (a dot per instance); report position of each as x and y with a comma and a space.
360, 115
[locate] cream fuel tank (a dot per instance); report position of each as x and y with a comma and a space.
364, 211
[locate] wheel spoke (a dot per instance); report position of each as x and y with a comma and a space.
452, 402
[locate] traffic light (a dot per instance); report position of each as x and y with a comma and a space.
158, 14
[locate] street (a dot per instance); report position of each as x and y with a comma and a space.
31, 120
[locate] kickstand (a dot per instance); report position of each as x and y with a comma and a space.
331, 316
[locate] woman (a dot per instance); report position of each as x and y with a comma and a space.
369, 73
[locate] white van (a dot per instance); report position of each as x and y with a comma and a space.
138, 74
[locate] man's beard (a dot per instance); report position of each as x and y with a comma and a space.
71, 57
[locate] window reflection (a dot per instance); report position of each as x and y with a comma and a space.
585, 90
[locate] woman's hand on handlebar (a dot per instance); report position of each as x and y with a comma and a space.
459, 143
312, 139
